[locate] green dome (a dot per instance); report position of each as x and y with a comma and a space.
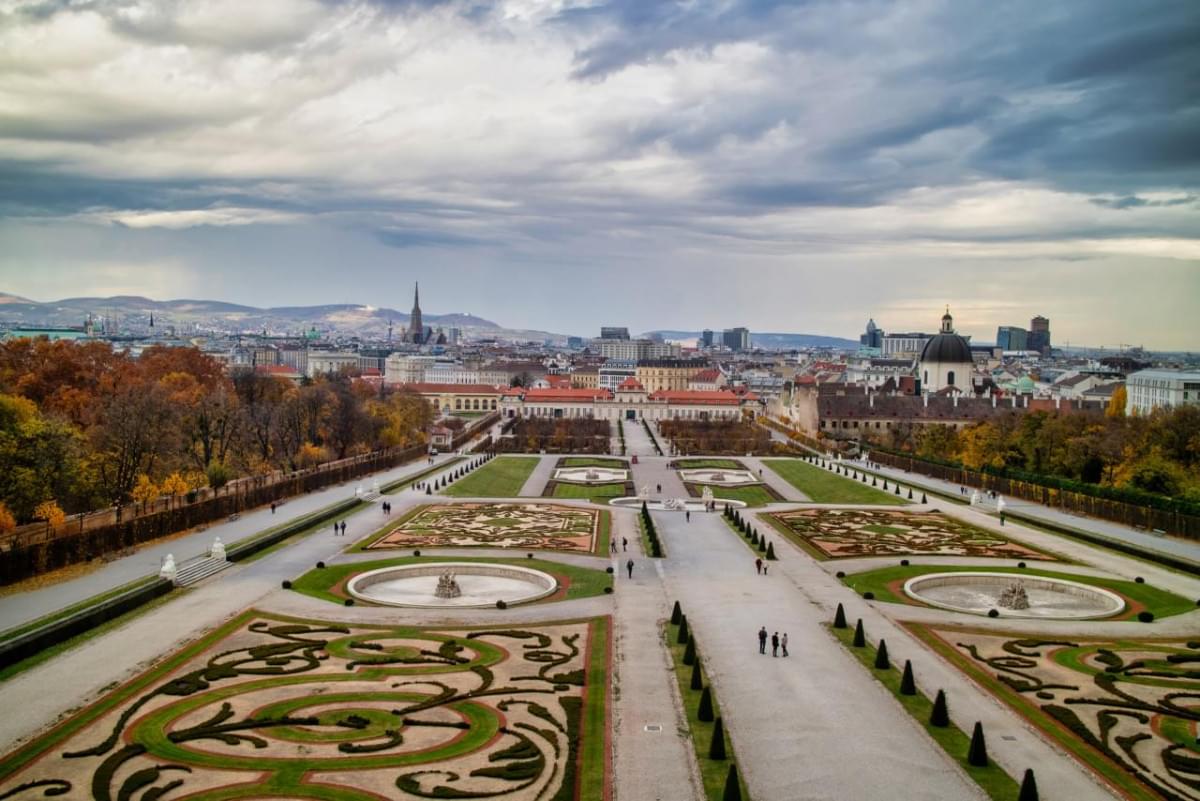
1025, 385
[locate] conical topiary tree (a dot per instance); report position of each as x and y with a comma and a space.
704, 712
754, 538
762, 544
733, 788
839, 618
676, 614
683, 630
860, 637
923, 498
910, 495
770, 552
977, 753
940, 716
697, 678
885, 484
908, 686
1029, 791
881, 656
689, 653
897, 492
874, 481
716, 749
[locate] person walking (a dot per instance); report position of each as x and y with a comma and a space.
783, 643
758, 566
624, 544
343, 528
659, 486
629, 567
775, 644
765, 566
612, 546
272, 508
335, 528
762, 640
687, 515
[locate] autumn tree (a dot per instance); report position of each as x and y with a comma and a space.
50, 512
136, 428
7, 521
40, 457
1116, 404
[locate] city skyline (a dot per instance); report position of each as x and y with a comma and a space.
559, 166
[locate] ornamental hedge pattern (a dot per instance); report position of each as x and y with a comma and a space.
495, 525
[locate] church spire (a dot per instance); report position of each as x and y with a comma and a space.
416, 328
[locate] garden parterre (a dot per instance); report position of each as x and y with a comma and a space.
268, 706
496, 525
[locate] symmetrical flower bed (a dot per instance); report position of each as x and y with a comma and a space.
1129, 708
495, 525
844, 533
272, 707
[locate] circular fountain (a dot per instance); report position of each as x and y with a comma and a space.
451, 585
590, 475
718, 477
1013, 595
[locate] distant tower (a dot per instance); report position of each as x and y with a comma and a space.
416, 329
151, 319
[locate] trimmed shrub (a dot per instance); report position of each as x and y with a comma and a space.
860, 637
1021, 565
885, 483
320, 565
716, 750
897, 492
923, 498
908, 685
676, 613
842, 574
1146, 616
903, 563
977, 753
697, 678
501, 604
689, 652
910, 495
683, 630
287, 585
839, 618
609, 571
754, 538
771, 552
868, 596
348, 602
704, 712
733, 790
608, 590
993, 613
940, 716
1029, 791
416, 553
881, 657
762, 545
528, 556
1140, 580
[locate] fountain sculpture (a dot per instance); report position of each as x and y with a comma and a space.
447, 586
1014, 597
592, 475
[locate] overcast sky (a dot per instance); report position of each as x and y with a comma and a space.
790, 166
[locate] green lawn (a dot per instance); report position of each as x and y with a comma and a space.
595, 461
709, 464
407, 481
320, 582
998, 785
596, 493
1160, 602
712, 772
502, 477
822, 486
753, 495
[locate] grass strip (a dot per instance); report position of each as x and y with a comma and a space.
594, 461
594, 778
882, 581
753, 495
709, 464
596, 493
992, 779
644, 538
823, 486
54, 617
321, 583
502, 477
713, 772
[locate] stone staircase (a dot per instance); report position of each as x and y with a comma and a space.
199, 569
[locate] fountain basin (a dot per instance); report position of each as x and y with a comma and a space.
979, 592
590, 475
482, 584
719, 478
691, 505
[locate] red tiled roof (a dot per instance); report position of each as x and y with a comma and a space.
705, 376
566, 394
462, 389
631, 383
705, 397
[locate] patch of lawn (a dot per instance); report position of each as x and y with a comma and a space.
712, 771
1160, 602
408, 481
954, 741
596, 493
709, 464
594, 461
594, 777
502, 477
321, 582
753, 495
822, 486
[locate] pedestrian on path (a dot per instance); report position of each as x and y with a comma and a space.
765, 566
1002, 518
272, 508
762, 640
624, 544
783, 644
775, 644
659, 486
343, 528
758, 566
335, 528
629, 567
612, 546
687, 514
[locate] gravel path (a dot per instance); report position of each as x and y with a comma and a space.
536, 483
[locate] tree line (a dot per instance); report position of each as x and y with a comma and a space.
84, 427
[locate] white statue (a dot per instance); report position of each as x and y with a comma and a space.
707, 494
218, 549
168, 569
1000, 504
358, 491
375, 486
645, 491
975, 498
591, 475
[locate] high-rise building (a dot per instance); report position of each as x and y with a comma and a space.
1039, 334
873, 337
706, 338
614, 332
575, 343
1012, 337
736, 339
416, 327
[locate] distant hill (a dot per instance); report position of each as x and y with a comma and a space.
770, 341
341, 317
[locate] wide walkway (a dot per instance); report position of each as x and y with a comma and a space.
536, 483
20, 608
637, 443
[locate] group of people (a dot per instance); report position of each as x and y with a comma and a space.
777, 642
339, 528
612, 545
760, 566
386, 506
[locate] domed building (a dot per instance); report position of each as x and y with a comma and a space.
946, 360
